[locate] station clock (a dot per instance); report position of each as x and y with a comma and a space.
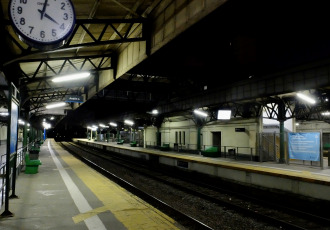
42, 24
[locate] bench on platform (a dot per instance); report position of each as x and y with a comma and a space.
211, 152
133, 144
31, 166
165, 147
120, 142
34, 150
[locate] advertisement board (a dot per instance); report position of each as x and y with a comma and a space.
305, 146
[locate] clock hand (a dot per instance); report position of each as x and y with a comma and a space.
50, 18
42, 12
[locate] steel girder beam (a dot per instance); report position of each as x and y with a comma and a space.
97, 40
98, 63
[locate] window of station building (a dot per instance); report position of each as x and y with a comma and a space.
180, 137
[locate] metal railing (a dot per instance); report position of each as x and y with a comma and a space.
20, 157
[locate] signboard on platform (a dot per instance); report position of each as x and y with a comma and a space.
239, 129
304, 146
13, 127
74, 98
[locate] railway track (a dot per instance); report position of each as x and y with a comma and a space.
279, 216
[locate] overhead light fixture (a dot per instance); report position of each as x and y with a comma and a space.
92, 128
306, 98
61, 104
103, 126
326, 113
113, 124
129, 122
155, 111
46, 125
200, 113
72, 77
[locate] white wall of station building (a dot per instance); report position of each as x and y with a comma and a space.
229, 136
3, 133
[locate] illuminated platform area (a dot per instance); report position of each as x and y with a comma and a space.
309, 181
67, 194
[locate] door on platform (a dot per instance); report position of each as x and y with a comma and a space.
216, 139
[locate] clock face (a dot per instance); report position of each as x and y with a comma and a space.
43, 24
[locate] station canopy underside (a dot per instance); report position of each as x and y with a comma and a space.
239, 43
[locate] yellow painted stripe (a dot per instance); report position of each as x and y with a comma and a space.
130, 210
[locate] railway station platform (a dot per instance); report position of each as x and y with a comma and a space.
303, 180
67, 194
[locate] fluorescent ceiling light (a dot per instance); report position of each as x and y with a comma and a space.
103, 126
326, 113
46, 125
200, 113
72, 77
129, 122
113, 124
55, 105
92, 128
306, 98
155, 111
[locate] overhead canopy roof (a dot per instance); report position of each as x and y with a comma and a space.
220, 45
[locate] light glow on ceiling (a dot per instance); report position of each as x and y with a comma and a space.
52, 106
306, 98
72, 77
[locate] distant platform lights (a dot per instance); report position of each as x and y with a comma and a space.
103, 126
154, 112
327, 113
92, 128
129, 122
46, 125
22, 122
200, 113
112, 124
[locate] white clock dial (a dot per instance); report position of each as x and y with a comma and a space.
43, 24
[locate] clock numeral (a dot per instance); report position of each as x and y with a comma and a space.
42, 34
62, 26
23, 1
54, 32
31, 29
22, 21
63, 6
66, 16
19, 10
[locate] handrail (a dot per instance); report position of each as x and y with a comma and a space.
19, 162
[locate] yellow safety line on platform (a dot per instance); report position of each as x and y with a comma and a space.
131, 211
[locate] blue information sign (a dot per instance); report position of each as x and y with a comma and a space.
304, 146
